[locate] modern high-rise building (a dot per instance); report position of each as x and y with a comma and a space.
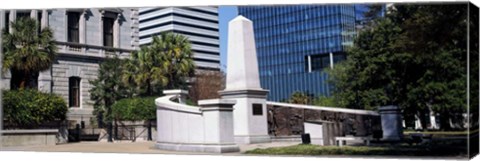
199, 24
295, 43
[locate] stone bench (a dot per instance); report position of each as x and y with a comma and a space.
341, 141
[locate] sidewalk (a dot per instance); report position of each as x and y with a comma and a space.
129, 147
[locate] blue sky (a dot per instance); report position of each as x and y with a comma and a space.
225, 14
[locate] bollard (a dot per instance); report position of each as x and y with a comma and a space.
109, 131
306, 138
149, 132
77, 128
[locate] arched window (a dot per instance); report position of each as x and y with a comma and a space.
74, 91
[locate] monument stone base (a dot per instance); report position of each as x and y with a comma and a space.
191, 147
391, 118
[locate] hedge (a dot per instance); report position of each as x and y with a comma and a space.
135, 109
31, 108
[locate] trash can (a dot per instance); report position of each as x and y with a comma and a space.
306, 138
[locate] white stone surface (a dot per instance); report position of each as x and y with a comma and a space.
242, 69
323, 108
316, 132
243, 84
181, 95
188, 128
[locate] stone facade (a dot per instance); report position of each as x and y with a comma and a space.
81, 59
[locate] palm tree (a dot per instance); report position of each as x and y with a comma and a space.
27, 52
166, 63
144, 71
177, 59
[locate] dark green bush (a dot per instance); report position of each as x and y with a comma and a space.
135, 109
31, 108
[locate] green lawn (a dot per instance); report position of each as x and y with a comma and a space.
364, 150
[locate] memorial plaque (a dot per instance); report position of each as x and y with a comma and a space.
257, 109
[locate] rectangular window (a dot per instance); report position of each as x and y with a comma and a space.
108, 31
318, 62
257, 109
7, 22
39, 20
74, 91
23, 15
73, 27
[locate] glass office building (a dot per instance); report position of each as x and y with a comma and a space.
296, 43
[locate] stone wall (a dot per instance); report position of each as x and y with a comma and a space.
86, 71
285, 121
29, 137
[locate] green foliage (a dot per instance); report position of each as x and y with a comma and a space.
164, 64
27, 52
30, 108
325, 101
108, 88
409, 58
300, 98
135, 109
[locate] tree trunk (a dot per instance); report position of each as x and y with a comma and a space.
149, 88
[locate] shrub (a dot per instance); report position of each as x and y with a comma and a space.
325, 101
31, 108
135, 109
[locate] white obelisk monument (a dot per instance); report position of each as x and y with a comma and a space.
243, 84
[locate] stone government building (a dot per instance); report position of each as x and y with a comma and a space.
84, 38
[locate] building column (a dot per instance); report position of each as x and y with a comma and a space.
116, 31
13, 17
331, 60
44, 19
309, 64
45, 80
82, 27
33, 14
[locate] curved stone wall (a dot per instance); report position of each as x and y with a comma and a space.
208, 128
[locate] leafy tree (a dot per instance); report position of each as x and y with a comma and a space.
374, 11
165, 63
325, 101
107, 89
410, 59
474, 67
27, 52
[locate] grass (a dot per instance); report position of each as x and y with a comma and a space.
363, 150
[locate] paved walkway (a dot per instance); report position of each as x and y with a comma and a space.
128, 147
